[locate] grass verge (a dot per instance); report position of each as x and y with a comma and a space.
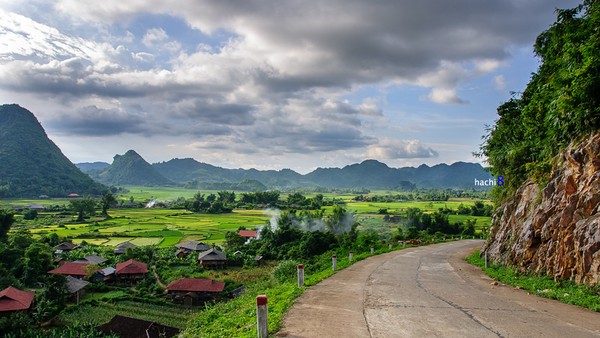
237, 317
543, 286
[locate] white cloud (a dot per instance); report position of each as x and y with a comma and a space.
392, 149
153, 36
499, 82
269, 78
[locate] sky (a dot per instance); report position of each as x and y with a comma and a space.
269, 84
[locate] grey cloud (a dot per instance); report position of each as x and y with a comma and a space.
214, 112
94, 121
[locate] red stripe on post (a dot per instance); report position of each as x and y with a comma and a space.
300, 266
261, 300
334, 256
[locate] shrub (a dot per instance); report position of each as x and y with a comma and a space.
285, 271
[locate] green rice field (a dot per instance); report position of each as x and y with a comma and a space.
167, 227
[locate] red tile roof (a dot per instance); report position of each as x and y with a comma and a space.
196, 285
13, 299
72, 269
248, 233
131, 267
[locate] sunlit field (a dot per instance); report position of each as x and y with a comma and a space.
166, 227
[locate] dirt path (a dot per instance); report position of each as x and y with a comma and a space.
157, 278
429, 292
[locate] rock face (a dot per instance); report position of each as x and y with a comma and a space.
555, 230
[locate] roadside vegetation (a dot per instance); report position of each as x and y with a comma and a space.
559, 105
541, 285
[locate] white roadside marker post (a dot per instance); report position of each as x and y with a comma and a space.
262, 322
372, 250
300, 275
334, 262
350, 256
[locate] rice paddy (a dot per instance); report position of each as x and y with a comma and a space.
166, 227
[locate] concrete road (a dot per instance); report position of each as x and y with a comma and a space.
429, 292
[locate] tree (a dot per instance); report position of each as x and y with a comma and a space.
37, 260
226, 197
83, 206
106, 202
233, 239
7, 218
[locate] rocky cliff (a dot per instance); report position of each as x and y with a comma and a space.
555, 230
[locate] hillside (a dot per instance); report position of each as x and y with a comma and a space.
92, 166
131, 169
31, 164
546, 144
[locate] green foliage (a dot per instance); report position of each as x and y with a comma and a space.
7, 218
83, 206
285, 271
560, 104
543, 286
106, 202
30, 214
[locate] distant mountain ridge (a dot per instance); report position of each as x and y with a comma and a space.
31, 164
369, 174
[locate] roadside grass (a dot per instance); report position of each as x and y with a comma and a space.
543, 286
237, 317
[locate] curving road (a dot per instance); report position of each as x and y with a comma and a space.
429, 292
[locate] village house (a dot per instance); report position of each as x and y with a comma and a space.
194, 291
212, 258
13, 299
131, 271
187, 247
76, 288
92, 259
127, 327
75, 270
104, 275
121, 249
65, 246
36, 207
248, 234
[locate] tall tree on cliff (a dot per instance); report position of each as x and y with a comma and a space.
560, 104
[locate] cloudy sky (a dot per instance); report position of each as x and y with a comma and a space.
269, 84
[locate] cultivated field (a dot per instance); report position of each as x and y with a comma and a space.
166, 227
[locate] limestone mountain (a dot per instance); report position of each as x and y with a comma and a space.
31, 164
370, 174
131, 169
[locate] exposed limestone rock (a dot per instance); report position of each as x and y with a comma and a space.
555, 230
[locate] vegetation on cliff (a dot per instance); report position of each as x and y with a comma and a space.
560, 104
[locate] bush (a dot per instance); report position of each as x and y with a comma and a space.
285, 271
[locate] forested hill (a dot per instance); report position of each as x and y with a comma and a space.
560, 105
31, 164
131, 169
